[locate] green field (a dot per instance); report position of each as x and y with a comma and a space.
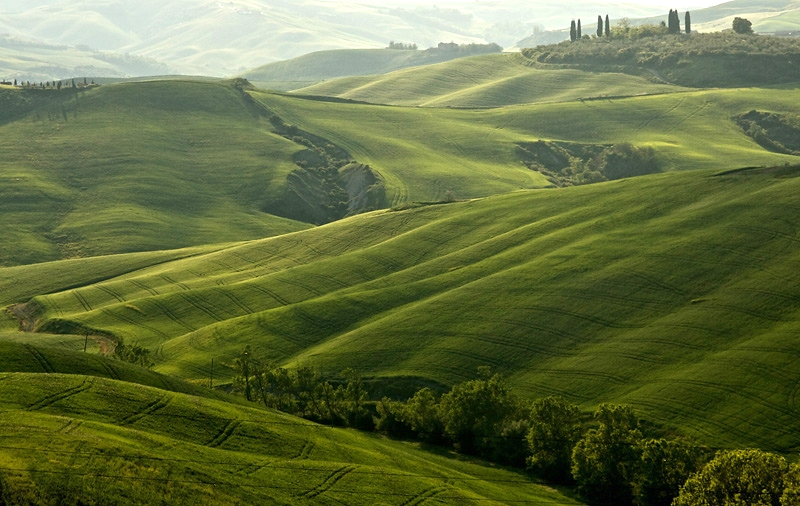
96, 440
169, 164
136, 167
485, 81
647, 291
473, 153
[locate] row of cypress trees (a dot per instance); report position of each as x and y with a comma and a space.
604, 28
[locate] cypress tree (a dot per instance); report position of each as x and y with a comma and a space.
677, 22
687, 24
599, 26
608, 27
578, 33
572, 31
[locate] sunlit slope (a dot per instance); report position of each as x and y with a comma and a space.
484, 81
113, 440
424, 153
677, 293
326, 65
136, 167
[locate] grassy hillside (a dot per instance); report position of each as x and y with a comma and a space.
474, 153
484, 81
99, 440
135, 167
726, 60
647, 291
169, 164
325, 65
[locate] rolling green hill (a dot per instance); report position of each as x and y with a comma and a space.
169, 164
135, 167
646, 291
326, 65
69, 437
422, 153
484, 81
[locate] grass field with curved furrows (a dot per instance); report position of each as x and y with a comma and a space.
99, 440
170, 164
135, 167
646, 291
484, 81
424, 152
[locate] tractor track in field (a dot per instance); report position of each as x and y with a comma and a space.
148, 410
134, 323
169, 314
305, 451
224, 434
269, 293
60, 396
82, 300
109, 292
197, 303
142, 286
71, 426
423, 496
330, 481
171, 281
238, 303
40, 359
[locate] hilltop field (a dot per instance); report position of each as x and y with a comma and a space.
607, 234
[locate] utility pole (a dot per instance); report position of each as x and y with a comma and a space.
211, 381
86, 342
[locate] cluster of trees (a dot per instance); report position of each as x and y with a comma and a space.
570, 164
303, 392
401, 46
54, 84
606, 457
623, 29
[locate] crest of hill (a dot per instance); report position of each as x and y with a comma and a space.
485, 81
617, 292
326, 65
697, 60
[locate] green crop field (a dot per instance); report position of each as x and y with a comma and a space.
484, 81
647, 291
136, 213
422, 153
169, 164
98, 439
135, 167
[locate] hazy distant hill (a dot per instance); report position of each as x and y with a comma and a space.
767, 16
226, 38
325, 65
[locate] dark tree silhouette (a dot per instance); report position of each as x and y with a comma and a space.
687, 23
573, 31
599, 26
742, 25
608, 27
